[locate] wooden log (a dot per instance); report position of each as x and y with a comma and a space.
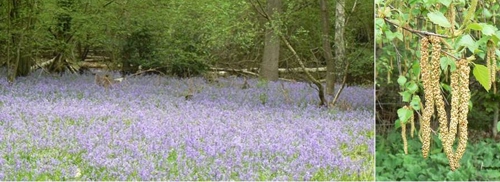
300, 70
42, 64
84, 64
93, 58
280, 70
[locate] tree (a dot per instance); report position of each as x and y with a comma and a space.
269, 66
20, 25
327, 50
63, 34
339, 45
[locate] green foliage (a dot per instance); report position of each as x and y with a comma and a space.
361, 63
404, 114
138, 50
438, 18
188, 67
482, 76
481, 161
181, 38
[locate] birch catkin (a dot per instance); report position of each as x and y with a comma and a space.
491, 61
463, 110
439, 101
412, 123
425, 121
435, 102
456, 100
403, 135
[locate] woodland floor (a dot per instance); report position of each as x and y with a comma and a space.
144, 128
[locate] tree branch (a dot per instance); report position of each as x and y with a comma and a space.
418, 32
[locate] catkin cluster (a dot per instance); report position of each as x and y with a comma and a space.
434, 101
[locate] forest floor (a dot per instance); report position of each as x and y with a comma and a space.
156, 128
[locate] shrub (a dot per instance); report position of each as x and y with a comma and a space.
480, 161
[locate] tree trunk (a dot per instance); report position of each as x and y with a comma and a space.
13, 61
325, 28
269, 66
339, 42
20, 27
25, 47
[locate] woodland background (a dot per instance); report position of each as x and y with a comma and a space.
182, 38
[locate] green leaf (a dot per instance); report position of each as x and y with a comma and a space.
489, 29
416, 69
402, 80
415, 102
452, 64
412, 87
444, 63
397, 124
468, 42
492, 174
486, 13
439, 19
390, 35
445, 2
495, 37
399, 35
482, 75
406, 96
498, 126
380, 23
482, 41
475, 26
404, 114
446, 87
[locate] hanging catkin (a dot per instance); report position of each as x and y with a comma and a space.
425, 120
403, 135
491, 61
412, 123
464, 95
455, 113
438, 99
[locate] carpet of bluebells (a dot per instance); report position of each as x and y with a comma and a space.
145, 128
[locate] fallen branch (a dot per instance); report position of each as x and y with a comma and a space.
301, 70
245, 71
280, 70
93, 58
86, 64
43, 64
316, 82
334, 101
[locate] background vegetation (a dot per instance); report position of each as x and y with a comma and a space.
182, 38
